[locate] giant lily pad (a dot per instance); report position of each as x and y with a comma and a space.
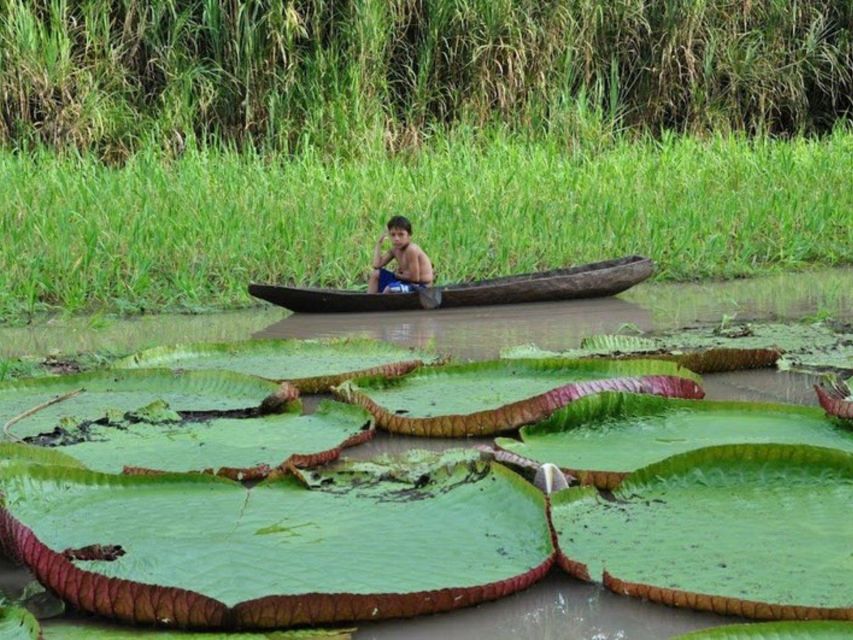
752, 530
247, 448
89, 396
18, 624
312, 366
19, 451
810, 630
488, 397
91, 631
201, 551
601, 439
699, 360
807, 347
836, 398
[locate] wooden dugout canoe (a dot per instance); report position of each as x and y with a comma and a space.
594, 280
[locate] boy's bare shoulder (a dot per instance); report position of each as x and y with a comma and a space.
416, 250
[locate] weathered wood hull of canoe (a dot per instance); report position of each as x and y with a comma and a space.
594, 280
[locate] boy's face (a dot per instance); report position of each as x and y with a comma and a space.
399, 237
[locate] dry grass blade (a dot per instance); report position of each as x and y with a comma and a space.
8, 426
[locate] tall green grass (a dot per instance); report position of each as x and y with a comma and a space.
113, 76
159, 233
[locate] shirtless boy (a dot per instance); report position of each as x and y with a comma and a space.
414, 268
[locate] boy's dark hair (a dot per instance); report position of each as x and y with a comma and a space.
400, 222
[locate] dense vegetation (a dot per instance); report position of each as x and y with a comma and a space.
108, 75
194, 231
160, 154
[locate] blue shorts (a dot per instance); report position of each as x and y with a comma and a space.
393, 284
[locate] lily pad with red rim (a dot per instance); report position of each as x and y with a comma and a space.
484, 398
32, 406
313, 366
603, 438
239, 448
836, 398
18, 624
750, 530
205, 552
798, 630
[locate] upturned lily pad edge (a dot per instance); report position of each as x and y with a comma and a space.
298, 460
835, 398
699, 360
516, 414
804, 629
311, 384
724, 605
609, 479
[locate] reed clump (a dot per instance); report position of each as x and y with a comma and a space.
113, 76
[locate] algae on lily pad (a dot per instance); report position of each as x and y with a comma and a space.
484, 398
760, 531
313, 366
239, 448
190, 550
600, 439
36, 405
796, 630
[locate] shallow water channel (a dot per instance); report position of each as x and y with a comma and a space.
559, 606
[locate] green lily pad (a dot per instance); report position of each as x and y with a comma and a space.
201, 551
808, 347
601, 439
247, 448
313, 366
799, 630
18, 624
698, 360
487, 397
91, 396
99, 631
752, 530
23, 452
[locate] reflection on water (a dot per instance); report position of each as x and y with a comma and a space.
476, 332
792, 296
763, 385
481, 332
125, 335
557, 608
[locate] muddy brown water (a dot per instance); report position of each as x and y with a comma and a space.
559, 606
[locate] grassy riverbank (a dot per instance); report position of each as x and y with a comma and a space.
159, 233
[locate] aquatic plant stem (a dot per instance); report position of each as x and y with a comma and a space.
6, 427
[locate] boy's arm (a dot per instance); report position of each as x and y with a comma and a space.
380, 260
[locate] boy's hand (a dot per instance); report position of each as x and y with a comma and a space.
382, 238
